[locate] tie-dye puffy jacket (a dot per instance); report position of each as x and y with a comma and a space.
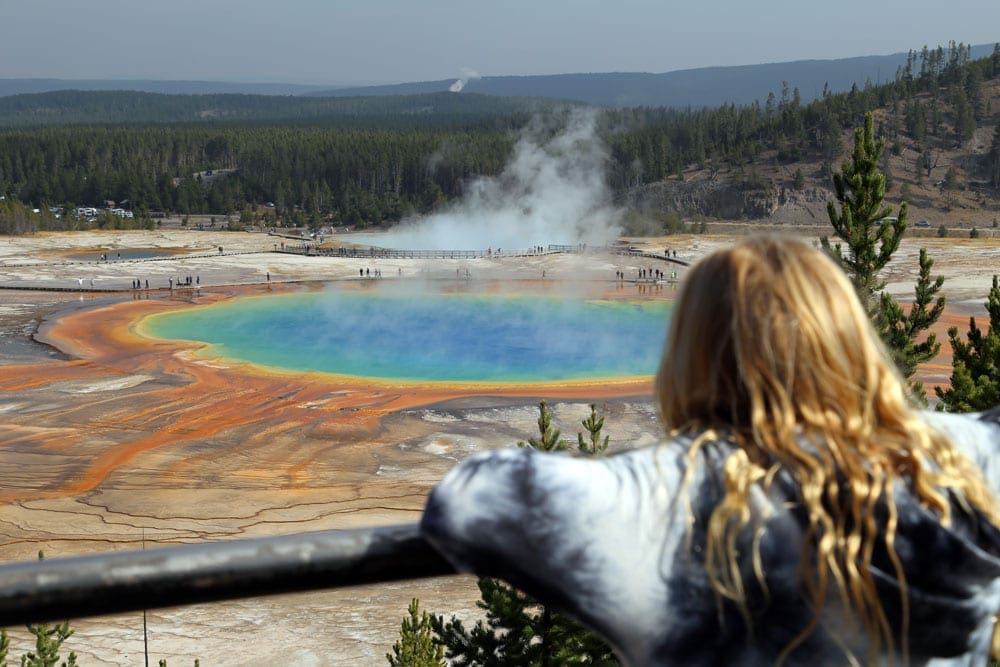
612, 541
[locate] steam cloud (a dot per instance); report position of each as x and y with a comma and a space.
466, 76
553, 191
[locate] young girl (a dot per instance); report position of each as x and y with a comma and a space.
799, 512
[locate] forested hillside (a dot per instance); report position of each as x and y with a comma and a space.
78, 107
940, 115
941, 118
359, 176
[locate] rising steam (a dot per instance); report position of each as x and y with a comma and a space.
553, 191
467, 75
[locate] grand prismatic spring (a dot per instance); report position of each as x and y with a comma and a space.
238, 412
397, 334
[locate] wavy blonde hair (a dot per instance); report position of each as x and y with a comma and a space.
769, 345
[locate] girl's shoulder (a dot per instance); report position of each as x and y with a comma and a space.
976, 435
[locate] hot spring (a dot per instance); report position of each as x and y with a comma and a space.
390, 334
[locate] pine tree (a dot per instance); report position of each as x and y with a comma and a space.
975, 376
549, 438
901, 330
594, 425
860, 189
518, 629
417, 645
870, 237
949, 186
48, 642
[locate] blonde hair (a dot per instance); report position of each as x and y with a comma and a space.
769, 344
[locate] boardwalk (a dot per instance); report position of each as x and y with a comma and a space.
391, 253
82, 275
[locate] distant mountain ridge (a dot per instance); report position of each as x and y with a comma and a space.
28, 86
695, 88
702, 87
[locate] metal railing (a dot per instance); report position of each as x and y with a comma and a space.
109, 583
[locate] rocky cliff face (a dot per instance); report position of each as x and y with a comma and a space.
732, 200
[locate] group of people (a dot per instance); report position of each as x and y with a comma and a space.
646, 274
799, 510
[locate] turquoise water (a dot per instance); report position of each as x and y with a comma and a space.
431, 337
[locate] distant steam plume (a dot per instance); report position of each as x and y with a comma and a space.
466, 76
553, 191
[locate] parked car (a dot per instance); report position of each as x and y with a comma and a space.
922, 223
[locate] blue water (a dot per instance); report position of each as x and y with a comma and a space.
430, 337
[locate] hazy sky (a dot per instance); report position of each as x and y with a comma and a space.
348, 41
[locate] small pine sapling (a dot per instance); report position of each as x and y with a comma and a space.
417, 645
549, 438
594, 425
